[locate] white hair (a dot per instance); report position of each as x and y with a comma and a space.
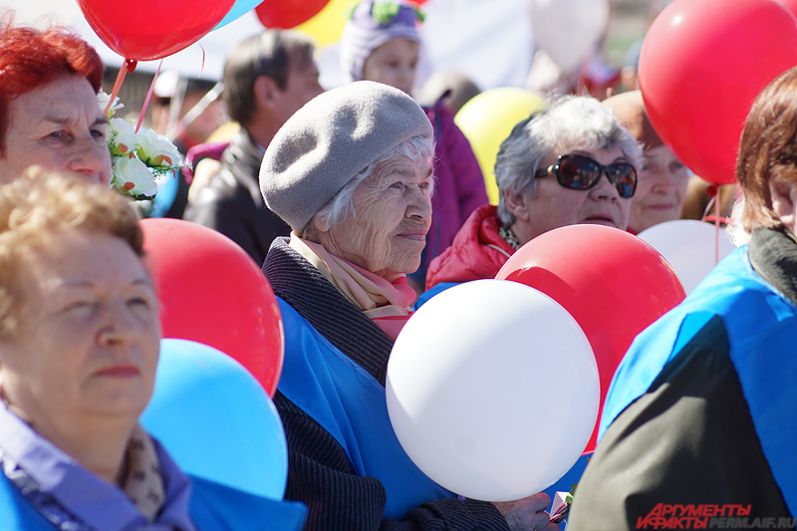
342, 205
571, 123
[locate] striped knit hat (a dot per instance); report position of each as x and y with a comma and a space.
372, 24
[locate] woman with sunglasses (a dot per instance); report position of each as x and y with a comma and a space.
573, 163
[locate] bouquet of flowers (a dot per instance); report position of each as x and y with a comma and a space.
141, 160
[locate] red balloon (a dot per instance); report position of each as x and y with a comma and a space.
152, 29
701, 66
213, 293
612, 283
791, 5
288, 13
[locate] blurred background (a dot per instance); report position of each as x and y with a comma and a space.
492, 42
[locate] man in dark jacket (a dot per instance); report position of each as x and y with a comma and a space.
266, 79
700, 424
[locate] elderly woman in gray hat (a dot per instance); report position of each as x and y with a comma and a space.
351, 173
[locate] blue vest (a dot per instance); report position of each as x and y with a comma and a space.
349, 403
438, 288
214, 507
762, 330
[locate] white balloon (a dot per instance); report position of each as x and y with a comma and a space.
569, 30
689, 247
492, 390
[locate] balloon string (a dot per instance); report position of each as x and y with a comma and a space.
148, 98
128, 66
717, 230
202, 66
200, 106
711, 192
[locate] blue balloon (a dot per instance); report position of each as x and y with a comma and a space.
167, 193
216, 421
239, 9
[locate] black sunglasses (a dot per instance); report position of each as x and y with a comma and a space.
579, 172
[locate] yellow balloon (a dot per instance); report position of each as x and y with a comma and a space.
487, 120
225, 132
327, 26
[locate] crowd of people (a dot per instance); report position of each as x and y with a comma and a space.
361, 204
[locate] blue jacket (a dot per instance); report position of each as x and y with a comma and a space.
350, 404
762, 329
702, 412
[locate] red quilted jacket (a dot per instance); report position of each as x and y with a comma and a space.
478, 251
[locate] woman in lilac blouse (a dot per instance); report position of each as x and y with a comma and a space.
79, 345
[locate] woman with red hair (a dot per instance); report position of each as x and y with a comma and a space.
49, 115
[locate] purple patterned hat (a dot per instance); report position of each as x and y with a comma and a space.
373, 23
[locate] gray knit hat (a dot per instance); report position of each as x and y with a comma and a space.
330, 140
372, 24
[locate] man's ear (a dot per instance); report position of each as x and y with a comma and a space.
265, 91
517, 204
784, 198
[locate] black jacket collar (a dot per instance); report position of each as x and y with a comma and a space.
306, 289
773, 254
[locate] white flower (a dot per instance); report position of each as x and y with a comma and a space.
123, 139
132, 177
140, 159
157, 150
103, 98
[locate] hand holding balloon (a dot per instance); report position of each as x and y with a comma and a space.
527, 513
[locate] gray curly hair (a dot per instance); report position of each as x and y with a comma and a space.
571, 123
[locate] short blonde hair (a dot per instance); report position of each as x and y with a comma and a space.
40, 205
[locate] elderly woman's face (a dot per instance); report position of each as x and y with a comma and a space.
553, 206
393, 212
394, 63
88, 337
58, 126
662, 189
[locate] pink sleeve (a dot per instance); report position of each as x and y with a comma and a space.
467, 173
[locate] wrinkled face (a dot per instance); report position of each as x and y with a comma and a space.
553, 206
88, 337
393, 212
58, 126
393, 64
661, 191
301, 86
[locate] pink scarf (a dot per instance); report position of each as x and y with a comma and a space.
386, 303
